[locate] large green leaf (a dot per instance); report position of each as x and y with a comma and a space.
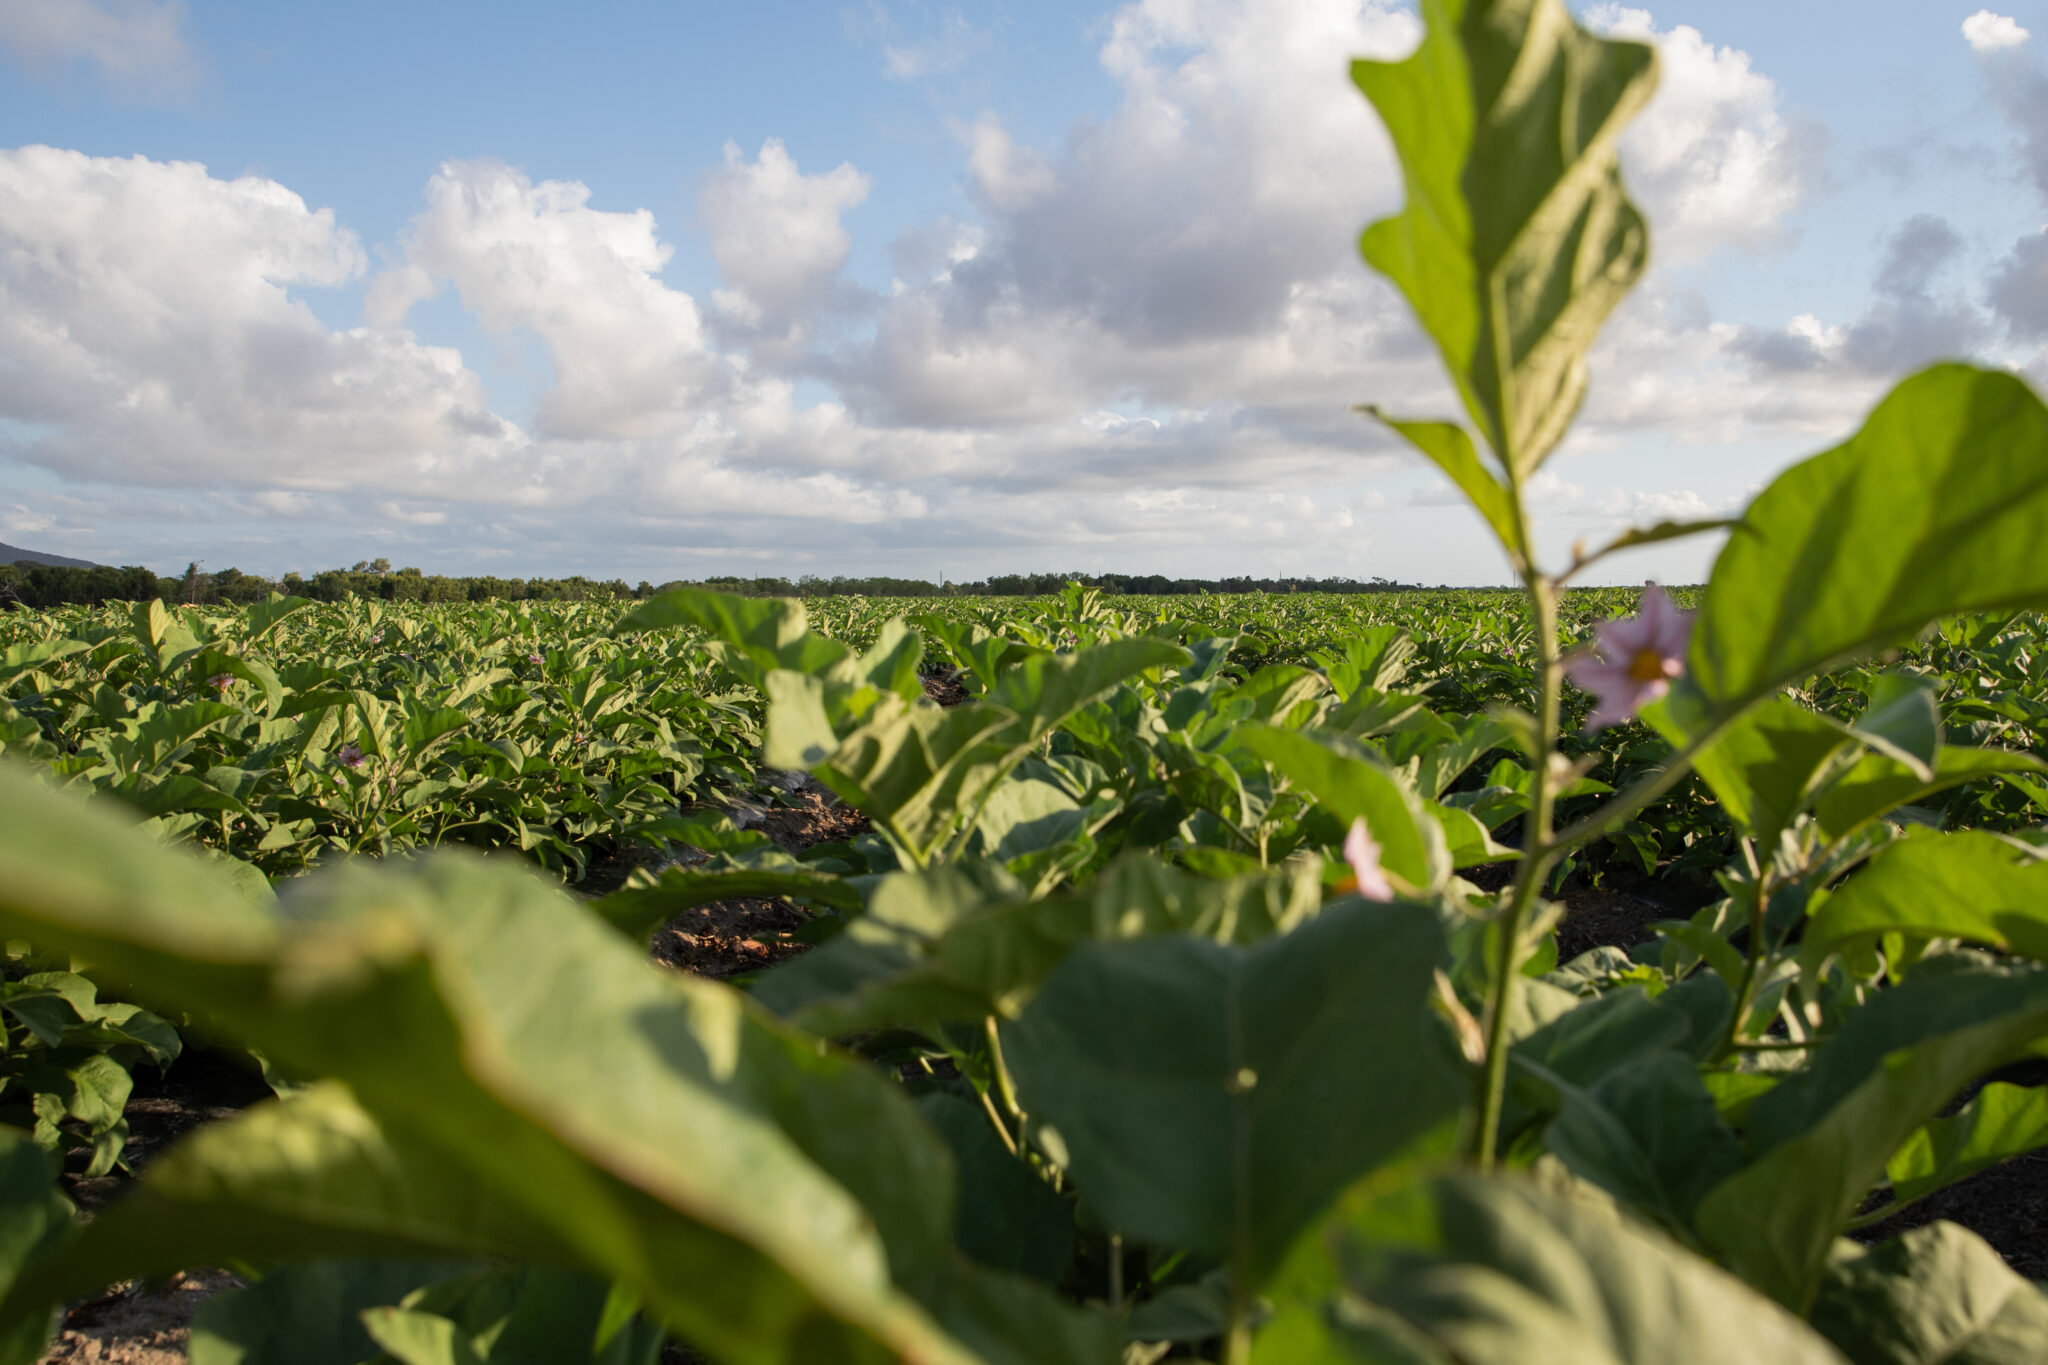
1647, 1133
959, 943
1934, 507
1352, 784
2000, 1121
1216, 1097
305, 1313
1764, 765
1936, 1296
1879, 783
1517, 239
33, 1219
1970, 885
1821, 1138
1467, 1270
759, 1196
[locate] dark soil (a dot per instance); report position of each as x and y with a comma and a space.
944, 688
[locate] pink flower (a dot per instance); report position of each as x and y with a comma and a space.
1636, 660
349, 755
535, 659
1364, 856
219, 682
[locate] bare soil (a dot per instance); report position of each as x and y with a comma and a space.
137, 1324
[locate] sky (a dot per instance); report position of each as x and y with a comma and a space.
665, 290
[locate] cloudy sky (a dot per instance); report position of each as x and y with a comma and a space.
663, 290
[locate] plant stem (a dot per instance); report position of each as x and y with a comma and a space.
1758, 905
1002, 1072
1538, 854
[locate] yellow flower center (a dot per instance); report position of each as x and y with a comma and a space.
1646, 666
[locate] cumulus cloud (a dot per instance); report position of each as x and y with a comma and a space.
1988, 32
1143, 337
1195, 246
631, 357
137, 46
1913, 318
151, 333
1712, 160
777, 236
1642, 508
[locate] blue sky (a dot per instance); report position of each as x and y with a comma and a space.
665, 290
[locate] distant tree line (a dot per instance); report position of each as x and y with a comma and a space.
50, 585
1036, 585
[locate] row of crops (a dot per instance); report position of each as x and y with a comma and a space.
1137, 814
1194, 991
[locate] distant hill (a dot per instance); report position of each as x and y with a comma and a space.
14, 554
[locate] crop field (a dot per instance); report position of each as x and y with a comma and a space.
1564, 973
1128, 768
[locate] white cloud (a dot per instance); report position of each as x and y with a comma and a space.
937, 54
1712, 161
1143, 341
138, 46
776, 234
1988, 32
150, 334
1641, 508
630, 354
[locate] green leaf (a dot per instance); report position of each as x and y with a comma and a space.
1009, 1218
1764, 764
1903, 719
1517, 239
1934, 507
414, 1338
1500, 1271
306, 1313
1647, 1133
262, 617
1185, 1085
34, 1217
1970, 885
1045, 689
1821, 1138
1351, 784
1450, 449
660, 1130
25, 658
1936, 1296
2000, 1121
1655, 535
1879, 783
947, 953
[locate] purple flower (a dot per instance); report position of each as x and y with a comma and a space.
1364, 856
219, 681
1636, 659
349, 755
535, 659
378, 638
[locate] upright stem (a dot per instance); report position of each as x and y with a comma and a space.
1537, 856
